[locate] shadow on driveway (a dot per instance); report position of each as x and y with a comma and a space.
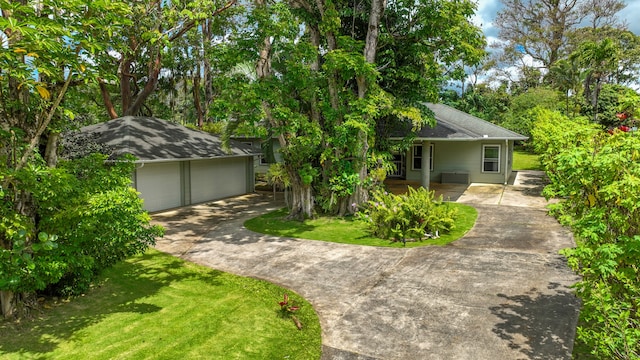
501, 292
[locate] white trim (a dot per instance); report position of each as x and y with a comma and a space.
484, 160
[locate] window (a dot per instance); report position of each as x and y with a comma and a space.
417, 157
491, 158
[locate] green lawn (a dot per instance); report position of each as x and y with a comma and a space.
523, 160
155, 306
350, 231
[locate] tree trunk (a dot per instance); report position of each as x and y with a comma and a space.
51, 151
208, 78
196, 97
8, 303
106, 99
302, 198
360, 193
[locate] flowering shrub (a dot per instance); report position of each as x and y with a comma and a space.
415, 215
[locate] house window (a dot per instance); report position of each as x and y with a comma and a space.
417, 157
491, 158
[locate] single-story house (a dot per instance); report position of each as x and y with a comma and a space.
461, 148
177, 166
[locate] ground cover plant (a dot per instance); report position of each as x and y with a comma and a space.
349, 230
158, 306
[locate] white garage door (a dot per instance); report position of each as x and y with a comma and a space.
217, 178
159, 185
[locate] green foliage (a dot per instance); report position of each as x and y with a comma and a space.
598, 177
277, 175
88, 218
409, 216
350, 230
522, 114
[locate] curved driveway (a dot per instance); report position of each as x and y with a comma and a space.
501, 292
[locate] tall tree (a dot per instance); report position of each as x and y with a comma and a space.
544, 29
329, 71
136, 59
538, 27
599, 61
45, 51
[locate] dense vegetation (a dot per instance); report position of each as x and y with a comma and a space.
329, 80
597, 176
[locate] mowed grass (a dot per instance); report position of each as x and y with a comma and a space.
523, 160
349, 230
155, 306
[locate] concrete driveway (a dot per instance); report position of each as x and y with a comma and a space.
501, 292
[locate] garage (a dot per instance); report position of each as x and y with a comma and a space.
215, 179
159, 185
175, 165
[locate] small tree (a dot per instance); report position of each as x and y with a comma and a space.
277, 177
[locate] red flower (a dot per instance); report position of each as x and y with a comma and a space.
622, 116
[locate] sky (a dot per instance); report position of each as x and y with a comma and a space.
486, 14
487, 10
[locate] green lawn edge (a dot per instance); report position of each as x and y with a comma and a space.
156, 306
347, 230
524, 160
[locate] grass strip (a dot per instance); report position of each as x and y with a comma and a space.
156, 306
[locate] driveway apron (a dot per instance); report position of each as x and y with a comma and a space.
501, 292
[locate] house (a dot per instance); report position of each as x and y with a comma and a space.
177, 166
461, 148
262, 162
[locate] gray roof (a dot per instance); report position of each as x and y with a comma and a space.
453, 124
152, 139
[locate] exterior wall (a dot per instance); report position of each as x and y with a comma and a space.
166, 185
159, 185
464, 156
217, 178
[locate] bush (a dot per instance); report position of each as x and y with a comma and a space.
86, 218
598, 177
412, 216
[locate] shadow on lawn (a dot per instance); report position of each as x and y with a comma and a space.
541, 325
120, 289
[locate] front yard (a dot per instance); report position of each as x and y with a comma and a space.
158, 306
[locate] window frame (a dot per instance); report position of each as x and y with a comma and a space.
486, 160
419, 156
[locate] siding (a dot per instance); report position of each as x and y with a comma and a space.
462, 156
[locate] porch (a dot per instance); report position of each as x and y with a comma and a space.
449, 192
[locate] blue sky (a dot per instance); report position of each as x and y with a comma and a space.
487, 10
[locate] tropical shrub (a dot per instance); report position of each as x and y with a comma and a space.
598, 177
87, 217
414, 215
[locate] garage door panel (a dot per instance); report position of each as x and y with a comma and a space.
218, 178
159, 185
